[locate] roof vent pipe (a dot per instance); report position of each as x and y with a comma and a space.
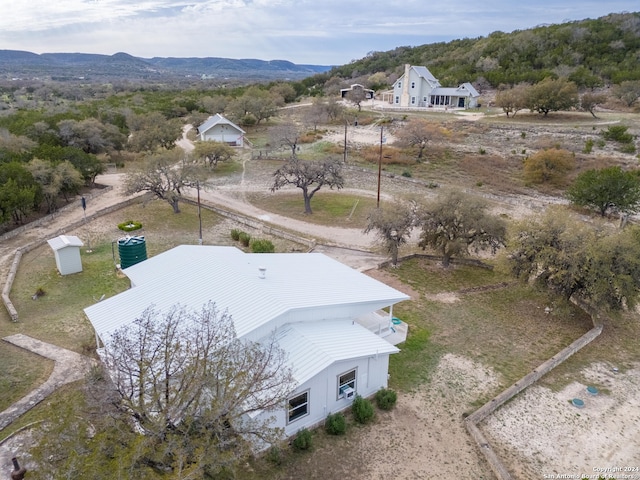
262, 272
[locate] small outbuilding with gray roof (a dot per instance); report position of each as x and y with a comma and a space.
66, 249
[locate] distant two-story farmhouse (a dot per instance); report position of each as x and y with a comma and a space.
217, 128
418, 88
326, 316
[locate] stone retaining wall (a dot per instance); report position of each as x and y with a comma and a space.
27, 248
253, 223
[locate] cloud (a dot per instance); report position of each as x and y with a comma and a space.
304, 31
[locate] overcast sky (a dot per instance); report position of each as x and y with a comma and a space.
321, 32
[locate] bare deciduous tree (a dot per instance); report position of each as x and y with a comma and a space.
309, 177
165, 174
417, 133
192, 386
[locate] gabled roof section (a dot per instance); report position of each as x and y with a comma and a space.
217, 119
313, 346
424, 72
467, 86
64, 241
295, 286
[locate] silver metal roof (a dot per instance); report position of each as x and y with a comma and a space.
297, 286
64, 241
217, 119
314, 346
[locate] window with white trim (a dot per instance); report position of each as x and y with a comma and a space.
298, 406
345, 381
413, 84
397, 99
413, 100
399, 84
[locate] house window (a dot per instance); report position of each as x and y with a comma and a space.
413, 84
424, 99
413, 100
298, 406
397, 99
399, 84
347, 381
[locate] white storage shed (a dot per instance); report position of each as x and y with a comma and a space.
66, 249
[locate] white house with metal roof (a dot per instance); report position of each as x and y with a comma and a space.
418, 88
311, 303
218, 129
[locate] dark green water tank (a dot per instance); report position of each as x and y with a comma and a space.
132, 250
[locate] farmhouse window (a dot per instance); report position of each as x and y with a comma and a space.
413, 84
397, 99
413, 100
298, 406
346, 380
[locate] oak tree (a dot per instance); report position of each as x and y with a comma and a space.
607, 189
455, 223
309, 176
393, 227
214, 152
165, 174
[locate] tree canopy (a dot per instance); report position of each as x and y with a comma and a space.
573, 258
165, 174
607, 189
392, 226
309, 176
455, 223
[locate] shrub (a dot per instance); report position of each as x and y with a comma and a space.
274, 455
617, 133
244, 238
303, 440
235, 234
335, 424
628, 148
262, 246
386, 399
362, 409
588, 146
129, 226
407, 173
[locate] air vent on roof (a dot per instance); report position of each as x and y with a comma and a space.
262, 272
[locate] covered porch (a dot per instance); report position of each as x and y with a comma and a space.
385, 325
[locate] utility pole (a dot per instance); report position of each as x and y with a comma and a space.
345, 140
199, 216
380, 166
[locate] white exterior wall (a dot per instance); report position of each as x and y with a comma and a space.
68, 260
420, 90
371, 376
223, 133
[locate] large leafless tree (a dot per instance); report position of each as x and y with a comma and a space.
165, 174
309, 176
186, 378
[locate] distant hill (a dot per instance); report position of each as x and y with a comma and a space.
591, 52
88, 66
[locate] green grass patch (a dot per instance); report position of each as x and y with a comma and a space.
430, 277
329, 207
